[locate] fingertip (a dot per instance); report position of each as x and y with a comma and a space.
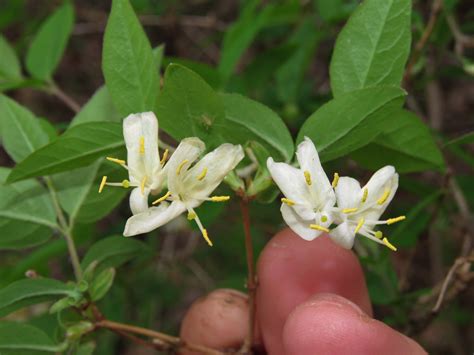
329, 323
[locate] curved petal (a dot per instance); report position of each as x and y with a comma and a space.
297, 224
153, 218
141, 160
187, 152
385, 180
308, 159
343, 235
348, 193
290, 181
138, 200
216, 165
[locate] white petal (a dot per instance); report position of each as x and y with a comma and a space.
187, 151
290, 181
385, 179
343, 235
153, 218
297, 224
136, 127
348, 193
139, 200
308, 159
218, 164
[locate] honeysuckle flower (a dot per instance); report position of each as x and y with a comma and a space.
309, 198
145, 169
359, 208
188, 185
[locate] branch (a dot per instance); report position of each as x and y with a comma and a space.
65, 98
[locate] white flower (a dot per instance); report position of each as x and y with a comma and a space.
309, 198
146, 174
189, 185
359, 209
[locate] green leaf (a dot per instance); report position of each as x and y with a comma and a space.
99, 108
187, 105
10, 69
49, 43
102, 284
205, 71
17, 337
467, 138
247, 120
128, 62
351, 121
113, 252
406, 143
26, 213
373, 47
31, 291
77, 147
21, 131
241, 34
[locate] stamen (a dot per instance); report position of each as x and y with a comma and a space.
126, 184
115, 160
165, 156
378, 235
162, 198
349, 210
102, 183
389, 245
142, 185
206, 237
365, 194
324, 219
220, 198
142, 145
395, 220
201, 228
335, 180
319, 228
359, 225
288, 201
384, 197
202, 175
307, 177
191, 215
180, 166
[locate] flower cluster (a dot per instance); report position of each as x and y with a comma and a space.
189, 183
309, 205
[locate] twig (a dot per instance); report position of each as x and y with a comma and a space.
251, 277
435, 10
65, 98
461, 40
174, 342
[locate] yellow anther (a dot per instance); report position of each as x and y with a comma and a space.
180, 166
384, 197
319, 228
324, 219
142, 145
359, 225
288, 201
335, 180
115, 160
164, 157
395, 220
191, 215
202, 175
220, 198
389, 245
142, 185
126, 184
378, 234
307, 177
162, 198
102, 183
206, 237
349, 210
364, 195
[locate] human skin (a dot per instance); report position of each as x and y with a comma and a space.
311, 299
